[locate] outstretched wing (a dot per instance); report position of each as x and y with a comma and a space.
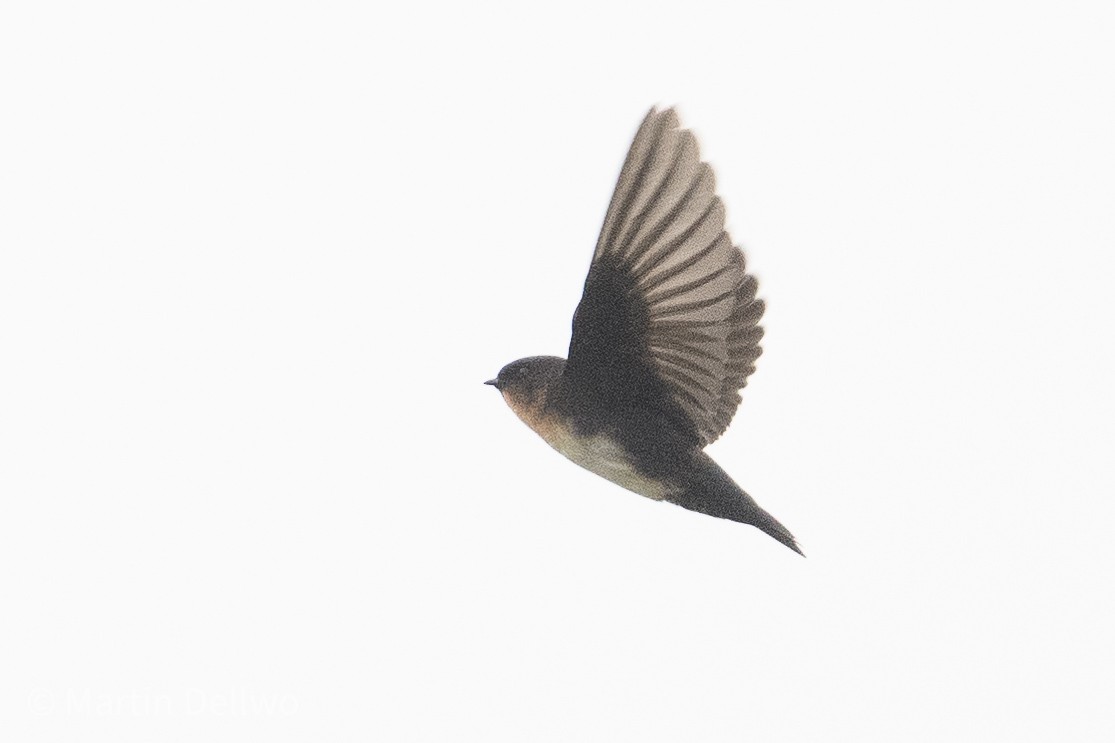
669, 318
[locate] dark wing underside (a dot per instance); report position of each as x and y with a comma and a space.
669, 319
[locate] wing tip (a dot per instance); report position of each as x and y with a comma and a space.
667, 116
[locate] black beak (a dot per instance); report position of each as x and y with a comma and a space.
493, 382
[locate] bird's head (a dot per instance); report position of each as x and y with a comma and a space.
524, 382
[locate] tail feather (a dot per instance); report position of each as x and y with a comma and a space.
711, 491
770, 525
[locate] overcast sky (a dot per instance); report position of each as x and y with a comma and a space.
256, 260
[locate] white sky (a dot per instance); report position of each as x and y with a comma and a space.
257, 258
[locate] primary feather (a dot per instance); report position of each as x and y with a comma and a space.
669, 317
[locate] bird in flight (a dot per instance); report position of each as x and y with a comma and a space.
664, 337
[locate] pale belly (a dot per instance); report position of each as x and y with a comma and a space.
602, 456
597, 454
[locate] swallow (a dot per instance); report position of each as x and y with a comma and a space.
666, 334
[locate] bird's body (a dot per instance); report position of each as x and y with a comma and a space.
599, 448
665, 335
603, 455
